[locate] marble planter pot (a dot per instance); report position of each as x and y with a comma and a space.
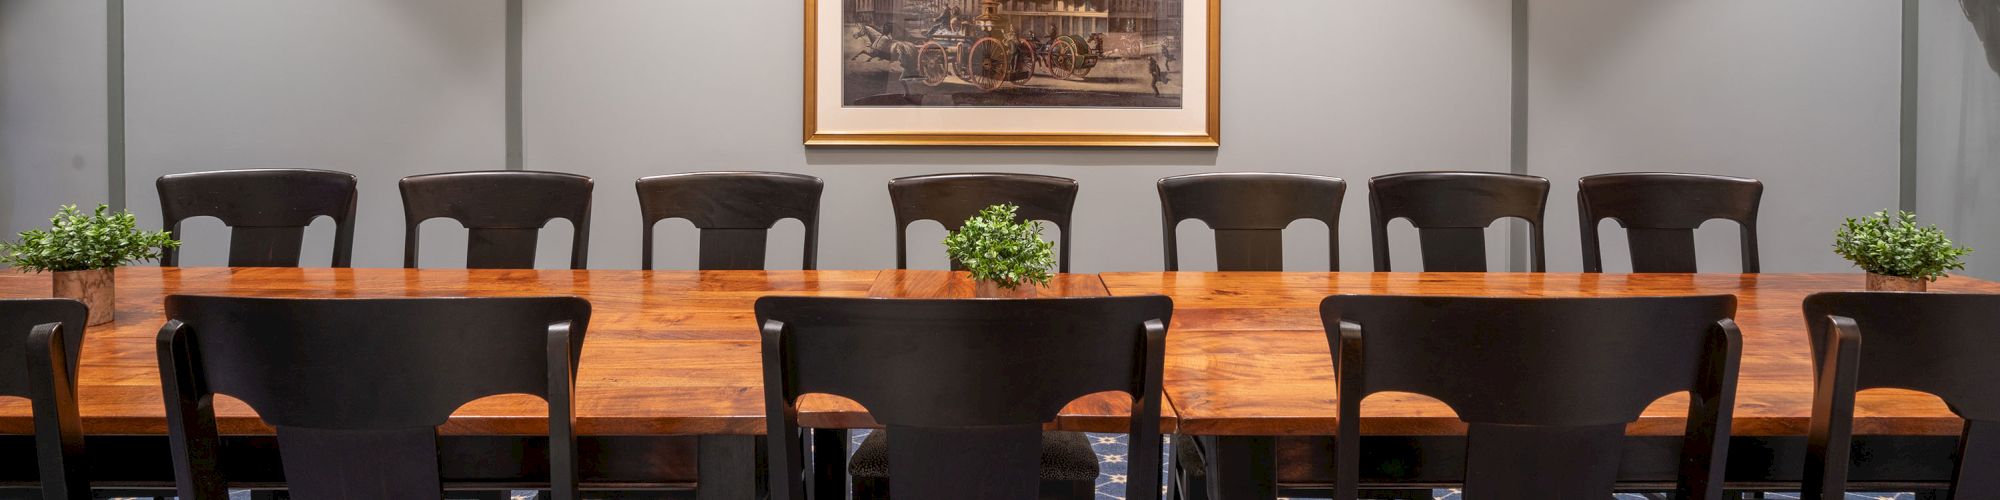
1886, 283
991, 290
94, 288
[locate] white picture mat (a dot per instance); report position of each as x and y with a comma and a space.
1190, 119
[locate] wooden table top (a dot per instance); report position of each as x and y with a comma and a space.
1246, 354
668, 352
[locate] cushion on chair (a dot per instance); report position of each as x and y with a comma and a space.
1066, 456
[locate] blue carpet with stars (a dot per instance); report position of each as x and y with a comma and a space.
1111, 454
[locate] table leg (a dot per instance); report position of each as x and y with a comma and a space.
829, 464
1241, 467
728, 468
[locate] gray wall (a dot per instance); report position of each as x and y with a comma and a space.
1958, 130
52, 109
1801, 93
379, 88
613, 92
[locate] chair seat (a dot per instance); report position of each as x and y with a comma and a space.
1066, 456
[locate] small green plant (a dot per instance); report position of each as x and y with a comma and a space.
78, 242
1894, 245
995, 247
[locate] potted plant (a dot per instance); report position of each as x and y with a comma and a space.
1002, 253
1898, 254
83, 250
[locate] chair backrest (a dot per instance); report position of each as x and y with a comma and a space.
1249, 212
39, 340
1451, 211
357, 387
1660, 212
949, 199
734, 211
1547, 386
503, 212
267, 211
1941, 344
964, 386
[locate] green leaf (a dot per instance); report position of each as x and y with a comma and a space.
994, 246
1894, 245
78, 242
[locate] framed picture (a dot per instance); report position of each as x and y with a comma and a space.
1013, 73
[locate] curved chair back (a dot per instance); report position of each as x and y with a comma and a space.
964, 386
1249, 212
39, 340
1660, 212
357, 387
503, 212
949, 199
1940, 344
734, 211
1547, 386
1451, 211
267, 211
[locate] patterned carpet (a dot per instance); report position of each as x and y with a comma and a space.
1111, 453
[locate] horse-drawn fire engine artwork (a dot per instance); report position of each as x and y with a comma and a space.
1024, 53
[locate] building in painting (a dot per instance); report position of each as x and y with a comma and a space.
1074, 17
1136, 16
1060, 17
878, 13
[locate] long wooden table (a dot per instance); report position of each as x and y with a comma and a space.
668, 356
1248, 369
670, 370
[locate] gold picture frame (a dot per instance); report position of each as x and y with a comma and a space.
1208, 134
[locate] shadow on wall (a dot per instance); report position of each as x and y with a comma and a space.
1985, 18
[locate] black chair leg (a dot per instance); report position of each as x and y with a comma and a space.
829, 463
1183, 481
1399, 494
1070, 490
870, 488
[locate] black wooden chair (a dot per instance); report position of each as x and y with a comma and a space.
964, 386
1547, 386
1249, 212
1451, 211
267, 211
503, 211
1940, 344
39, 339
734, 211
357, 387
949, 199
1660, 212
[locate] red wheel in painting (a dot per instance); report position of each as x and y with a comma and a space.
1062, 59
933, 64
986, 64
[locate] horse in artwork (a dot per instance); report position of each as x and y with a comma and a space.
882, 47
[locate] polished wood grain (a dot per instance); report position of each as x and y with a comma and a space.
1102, 412
667, 352
1247, 356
